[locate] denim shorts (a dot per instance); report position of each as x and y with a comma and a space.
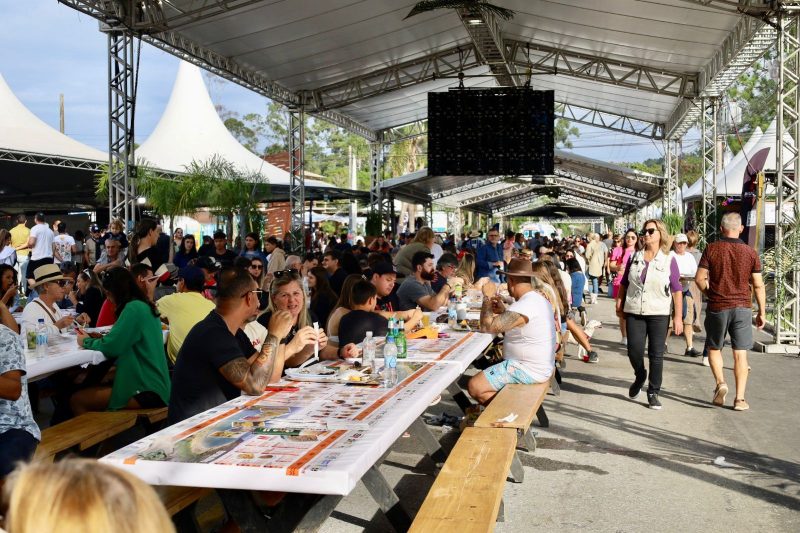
505, 373
736, 322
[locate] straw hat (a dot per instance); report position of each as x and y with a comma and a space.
46, 273
474, 234
518, 267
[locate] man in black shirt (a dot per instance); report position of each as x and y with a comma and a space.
336, 274
445, 269
217, 359
220, 251
383, 278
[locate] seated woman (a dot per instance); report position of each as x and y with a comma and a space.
466, 272
137, 345
9, 290
81, 495
343, 306
186, 253
322, 296
50, 285
87, 297
286, 294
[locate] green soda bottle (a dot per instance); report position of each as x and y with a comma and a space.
400, 341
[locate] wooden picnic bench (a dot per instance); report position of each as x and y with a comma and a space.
467, 494
524, 401
83, 432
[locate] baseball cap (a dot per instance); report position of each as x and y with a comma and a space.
191, 274
382, 268
209, 263
94, 228
681, 237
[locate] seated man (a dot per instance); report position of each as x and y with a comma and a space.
19, 433
445, 269
112, 256
355, 324
336, 274
529, 346
184, 309
217, 359
416, 289
383, 278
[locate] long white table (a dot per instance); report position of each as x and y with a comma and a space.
62, 352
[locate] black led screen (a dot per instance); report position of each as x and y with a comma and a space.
500, 131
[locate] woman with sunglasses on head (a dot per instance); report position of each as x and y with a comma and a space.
630, 243
650, 287
136, 344
186, 252
87, 296
51, 286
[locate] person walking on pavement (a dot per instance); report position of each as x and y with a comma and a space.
596, 255
688, 268
728, 268
651, 285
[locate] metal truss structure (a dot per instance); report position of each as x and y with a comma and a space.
786, 316
576, 220
672, 154
297, 138
121, 107
49, 160
708, 149
484, 31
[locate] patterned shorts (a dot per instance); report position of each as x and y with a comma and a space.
505, 373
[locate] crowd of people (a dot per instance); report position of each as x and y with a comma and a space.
238, 315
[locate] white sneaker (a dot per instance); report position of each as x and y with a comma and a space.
624, 341
705, 361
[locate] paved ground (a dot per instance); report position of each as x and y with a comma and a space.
610, 464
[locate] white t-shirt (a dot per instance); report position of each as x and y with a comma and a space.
533, 346
437, 252
257, 335
34, 311
64, 243
687, 266
44, 242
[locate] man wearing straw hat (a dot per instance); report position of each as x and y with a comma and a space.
529, 346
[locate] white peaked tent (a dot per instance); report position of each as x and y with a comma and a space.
190, 130
22, 131
730, 180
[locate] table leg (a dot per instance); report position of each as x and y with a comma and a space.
387, 500
303, 512
419, 430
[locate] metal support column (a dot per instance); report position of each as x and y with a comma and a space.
427, 208
708, 149
297, 138
121, 105
668, 203
786, 318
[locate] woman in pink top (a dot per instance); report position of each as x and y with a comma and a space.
620, 254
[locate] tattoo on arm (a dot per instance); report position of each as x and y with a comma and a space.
236, 371
486, 314
249, 377
506, 321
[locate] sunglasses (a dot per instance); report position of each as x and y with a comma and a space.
289, 272
257, 267
630, 237
63, 282
648, 231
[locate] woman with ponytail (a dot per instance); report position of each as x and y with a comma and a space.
143, 244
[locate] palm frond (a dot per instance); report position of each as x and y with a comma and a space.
477, 6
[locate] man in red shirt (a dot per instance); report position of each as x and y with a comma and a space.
725, 274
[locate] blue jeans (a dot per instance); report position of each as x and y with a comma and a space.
595, 284
16, 445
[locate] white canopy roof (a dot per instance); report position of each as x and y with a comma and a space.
190, 130
22, 131
730, 179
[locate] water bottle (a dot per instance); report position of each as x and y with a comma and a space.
389, 362
368, 353
400, 341
452, 313
41, 338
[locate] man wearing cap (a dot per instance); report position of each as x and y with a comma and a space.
687, 266
529, 346
51, 286
185, 308
93, 247
384, 277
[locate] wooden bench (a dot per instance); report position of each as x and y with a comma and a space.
150, 416
83, 431
467, 494
525, 401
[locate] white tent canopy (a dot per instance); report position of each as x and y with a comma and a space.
190, 130
22, 131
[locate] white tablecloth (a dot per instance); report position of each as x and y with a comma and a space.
459, 348
221, 448
62, 352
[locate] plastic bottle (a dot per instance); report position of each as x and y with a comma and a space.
41, 338
452, 313
368, 353
390, 327
400, 341
389, 362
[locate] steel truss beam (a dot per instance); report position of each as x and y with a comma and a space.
523, 203
575, 220
589, 200
596, 191
557, 61
747, 43
610, 121
468, 187
786, 316
467, 199
484, 31
708, 149
153, 33
406, 131
49, 160
379, 201
672, 151
611, 188
297, 139
121, 105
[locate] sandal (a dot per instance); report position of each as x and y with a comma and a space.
740, 405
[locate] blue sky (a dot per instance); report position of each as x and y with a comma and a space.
51, 49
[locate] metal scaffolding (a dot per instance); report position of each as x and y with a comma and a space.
786, 318
708, 150
121, 104
297, 139
378, 201
671, 169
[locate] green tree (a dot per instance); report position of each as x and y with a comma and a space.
564, 130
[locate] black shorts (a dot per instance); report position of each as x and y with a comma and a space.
149, 400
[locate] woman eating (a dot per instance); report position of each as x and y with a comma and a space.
136, 344
9, 291
651, 286
50, 284
87, 297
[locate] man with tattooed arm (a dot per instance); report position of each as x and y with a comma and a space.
529, 343
217, 359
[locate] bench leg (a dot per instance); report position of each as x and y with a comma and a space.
387, 500
554, 383
526, 440
517, 472
501, 512
542, 416
419, 430
459, 397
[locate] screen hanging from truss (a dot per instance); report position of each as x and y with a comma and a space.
497, 131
